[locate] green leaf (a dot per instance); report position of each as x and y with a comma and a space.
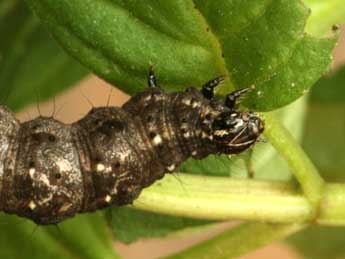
324, 14
32, 65
263, 43
117, 43
131, 224
320, 242
292, 80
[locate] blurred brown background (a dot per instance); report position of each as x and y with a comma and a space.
76, 102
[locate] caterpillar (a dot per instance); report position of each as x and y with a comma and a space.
49, 171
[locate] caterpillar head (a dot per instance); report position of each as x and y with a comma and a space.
234, 132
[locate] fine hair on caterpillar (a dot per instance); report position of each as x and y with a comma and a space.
49, 171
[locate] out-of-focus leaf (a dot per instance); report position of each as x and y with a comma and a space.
237, 241
324, 141
324, 138
132, 224
32, 65
330, 89
21, 239
320, 242
84, 236
263, 43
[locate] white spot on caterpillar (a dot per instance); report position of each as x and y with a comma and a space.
186, 101
166, 135
147, 98
194, 152
124, 155
64, 166
44, 179
195, 104
100, 167
220, 133
32, 205
171, 167
204, 135
157, 140
32, 172
3, 149
186, 134
107, 198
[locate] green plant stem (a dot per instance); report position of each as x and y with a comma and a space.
299, 163
222, 198
238, 241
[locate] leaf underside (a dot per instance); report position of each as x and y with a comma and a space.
32, 66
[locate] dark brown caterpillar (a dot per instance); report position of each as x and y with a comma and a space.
50, 171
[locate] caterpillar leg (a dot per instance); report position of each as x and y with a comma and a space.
207, 89
230, 99
152, 82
